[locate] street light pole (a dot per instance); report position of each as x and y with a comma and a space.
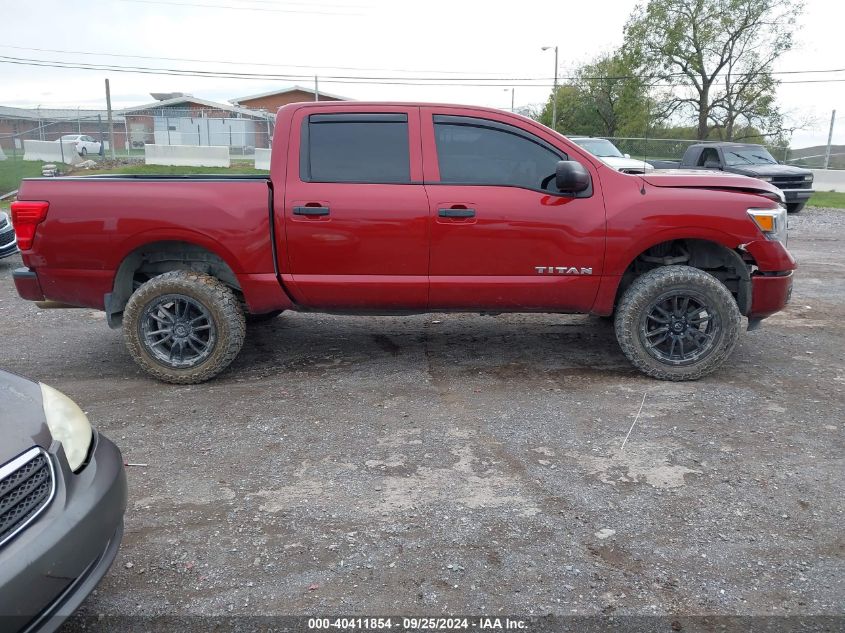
513, 92
554, 91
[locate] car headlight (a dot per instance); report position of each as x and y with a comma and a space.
67, 424
809, 177
772, 222
765, 178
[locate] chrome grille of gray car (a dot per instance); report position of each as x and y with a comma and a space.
27, 485
7, 234
791, 182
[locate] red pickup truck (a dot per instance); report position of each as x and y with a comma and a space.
386, 208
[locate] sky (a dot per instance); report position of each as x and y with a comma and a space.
394, 40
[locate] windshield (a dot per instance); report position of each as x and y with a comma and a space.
70, 137
599, 147
749, 156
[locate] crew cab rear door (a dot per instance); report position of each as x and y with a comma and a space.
501, 234
356, 211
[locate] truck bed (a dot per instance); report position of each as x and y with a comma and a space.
95, 222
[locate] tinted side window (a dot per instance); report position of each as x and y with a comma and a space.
708, 154
365, 148
476, 154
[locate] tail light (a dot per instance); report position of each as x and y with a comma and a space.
26, 216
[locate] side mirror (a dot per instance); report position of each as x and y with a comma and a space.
571, 177
627, 155
712, 164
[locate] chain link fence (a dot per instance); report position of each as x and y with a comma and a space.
242, 134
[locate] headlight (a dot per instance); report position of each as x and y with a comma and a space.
68, 424
809, 177
772, 222
765, 178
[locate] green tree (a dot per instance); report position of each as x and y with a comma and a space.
619, 97
711, 60
603, 98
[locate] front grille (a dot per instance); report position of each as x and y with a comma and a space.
791, 182
27, 484
7, 234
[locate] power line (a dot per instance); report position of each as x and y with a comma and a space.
234, 75
343, 79
493, 76
221, 6
229, 62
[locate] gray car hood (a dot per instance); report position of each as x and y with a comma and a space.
22, 423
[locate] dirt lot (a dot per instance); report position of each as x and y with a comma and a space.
471, 464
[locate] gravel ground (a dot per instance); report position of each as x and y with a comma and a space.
445, 464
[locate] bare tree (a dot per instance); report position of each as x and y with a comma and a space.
711, 60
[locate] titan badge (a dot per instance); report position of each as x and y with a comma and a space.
562, 270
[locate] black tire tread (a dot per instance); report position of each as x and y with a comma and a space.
216, 296
646, 287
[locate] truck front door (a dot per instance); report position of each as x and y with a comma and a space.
501, 234
356, 211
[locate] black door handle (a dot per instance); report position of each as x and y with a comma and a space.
456, 213
310, 210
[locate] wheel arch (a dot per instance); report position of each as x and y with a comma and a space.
732, 267
160, 256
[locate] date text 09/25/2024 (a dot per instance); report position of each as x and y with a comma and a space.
417, 624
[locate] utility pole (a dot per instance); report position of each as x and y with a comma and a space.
829, 140
512, 91
316, 89
554, 91
111, 126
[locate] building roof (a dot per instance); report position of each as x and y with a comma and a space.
286, 91
176, 101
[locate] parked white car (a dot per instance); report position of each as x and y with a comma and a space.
610, 154
84, 144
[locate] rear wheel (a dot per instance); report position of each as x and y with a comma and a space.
183, 327
677, 323
795, 207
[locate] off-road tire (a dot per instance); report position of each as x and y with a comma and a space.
220, 302
641, 295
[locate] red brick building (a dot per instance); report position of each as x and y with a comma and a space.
272, 101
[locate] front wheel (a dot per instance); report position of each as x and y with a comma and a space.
83, 152
795, 207
677, 323
183, 327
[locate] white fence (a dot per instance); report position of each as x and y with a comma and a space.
187, 155
51, 151
829, 180
262, 158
